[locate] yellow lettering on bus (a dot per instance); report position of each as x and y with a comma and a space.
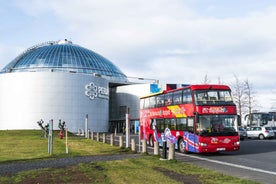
176, 110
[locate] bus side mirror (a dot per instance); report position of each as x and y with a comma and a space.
196, 117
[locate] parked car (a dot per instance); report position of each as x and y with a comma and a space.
274, 130
242, 133
260, 132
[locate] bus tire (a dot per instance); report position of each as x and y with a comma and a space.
151, 141
181, 147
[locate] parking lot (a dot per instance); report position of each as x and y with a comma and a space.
255, 161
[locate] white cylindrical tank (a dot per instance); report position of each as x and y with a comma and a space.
28, 97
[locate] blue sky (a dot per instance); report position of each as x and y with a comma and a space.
175, 41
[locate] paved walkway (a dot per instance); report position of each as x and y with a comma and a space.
15, 167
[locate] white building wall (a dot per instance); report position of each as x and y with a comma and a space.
27, 97
129, 96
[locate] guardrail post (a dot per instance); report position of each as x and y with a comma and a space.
104, 137
144, 146
92, 135
133, 146
88, 134
121, 141
156, 148
98, 136
171, 155
112, 139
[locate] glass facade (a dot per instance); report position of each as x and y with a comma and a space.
65, 57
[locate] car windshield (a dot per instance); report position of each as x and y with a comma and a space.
217, 125
241, 129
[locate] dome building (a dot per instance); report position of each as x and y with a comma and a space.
58, 81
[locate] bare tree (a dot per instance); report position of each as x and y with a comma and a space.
248, 98
238, 95
206, 79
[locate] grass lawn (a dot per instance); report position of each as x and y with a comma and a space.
28, 145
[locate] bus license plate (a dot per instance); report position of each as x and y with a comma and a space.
220, 149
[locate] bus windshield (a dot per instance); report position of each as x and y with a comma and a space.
216, 125
212, 97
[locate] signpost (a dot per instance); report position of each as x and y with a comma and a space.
50, 138
127, 128
66, 141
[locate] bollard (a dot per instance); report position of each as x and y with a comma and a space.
88, 134
92, 135
112, 139
121, 141
164, 153
156, 148
133, 146
98, 136
144, 146
171, 155
104, 137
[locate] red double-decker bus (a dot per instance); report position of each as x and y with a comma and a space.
202, 118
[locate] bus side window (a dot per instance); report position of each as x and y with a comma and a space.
142, 103
159, 122
173, 124
187, 96
191, 124
152, 102
181, 124
168, 123
177, 97
168, 99
159, 100
160, 125
146, 103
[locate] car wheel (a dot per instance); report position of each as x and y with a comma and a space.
261, 137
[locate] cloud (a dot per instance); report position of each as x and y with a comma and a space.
176, 40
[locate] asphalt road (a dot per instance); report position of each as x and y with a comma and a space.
256, 160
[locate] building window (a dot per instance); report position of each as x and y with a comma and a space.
122, 111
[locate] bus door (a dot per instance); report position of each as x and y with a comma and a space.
191, 138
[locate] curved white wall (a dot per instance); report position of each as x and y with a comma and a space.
27, 97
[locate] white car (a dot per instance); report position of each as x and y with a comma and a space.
260, 132
274, 130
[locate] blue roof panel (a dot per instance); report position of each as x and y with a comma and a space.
63, 56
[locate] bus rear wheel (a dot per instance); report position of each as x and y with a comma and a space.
181, 146
151, 141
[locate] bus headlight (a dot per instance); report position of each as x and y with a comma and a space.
202, 144
237, 143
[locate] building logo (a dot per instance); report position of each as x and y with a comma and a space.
92, 91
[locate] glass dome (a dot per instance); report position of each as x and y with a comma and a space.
63, 56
